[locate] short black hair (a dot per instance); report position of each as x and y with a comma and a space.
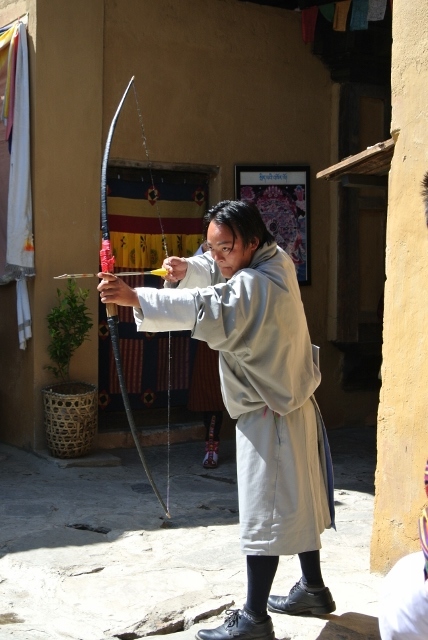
242, 218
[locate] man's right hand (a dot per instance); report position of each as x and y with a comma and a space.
176, 268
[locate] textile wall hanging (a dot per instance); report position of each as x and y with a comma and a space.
134, 204
16, 225
281, 193
135, 231
345, 15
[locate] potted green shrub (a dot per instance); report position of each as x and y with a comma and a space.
70, 408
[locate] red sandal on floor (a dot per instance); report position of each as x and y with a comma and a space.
211, 454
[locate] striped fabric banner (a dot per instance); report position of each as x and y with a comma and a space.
139, 210
134, 207
145, 251
204, 393
179, 363
132, 354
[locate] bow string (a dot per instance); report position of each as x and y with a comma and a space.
107, 266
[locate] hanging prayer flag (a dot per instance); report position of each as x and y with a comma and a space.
341, 15
309, 21
360, 9
328, 11
376, 10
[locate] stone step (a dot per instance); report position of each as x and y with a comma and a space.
123, 439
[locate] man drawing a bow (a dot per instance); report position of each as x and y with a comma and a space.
243, 299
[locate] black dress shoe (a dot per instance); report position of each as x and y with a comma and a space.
302, 602
241, 626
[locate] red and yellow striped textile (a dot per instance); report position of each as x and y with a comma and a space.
139, 215
132, 354
174, 365
143, 209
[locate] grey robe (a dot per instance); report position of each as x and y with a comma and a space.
257, 323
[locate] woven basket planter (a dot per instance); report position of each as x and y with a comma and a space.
71, 418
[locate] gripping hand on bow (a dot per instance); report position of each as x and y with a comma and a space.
115, 291
176, 268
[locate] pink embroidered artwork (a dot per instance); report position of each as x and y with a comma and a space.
283, 208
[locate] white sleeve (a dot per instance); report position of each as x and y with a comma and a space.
202, 272
403, 602
165, 310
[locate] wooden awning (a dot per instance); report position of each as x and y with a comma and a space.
374, 161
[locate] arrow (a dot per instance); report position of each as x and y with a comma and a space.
154, 272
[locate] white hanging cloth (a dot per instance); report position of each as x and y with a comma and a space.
23, 312
20, 248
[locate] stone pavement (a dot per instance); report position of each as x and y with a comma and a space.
86, 552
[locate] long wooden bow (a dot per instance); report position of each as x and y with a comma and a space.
107, 266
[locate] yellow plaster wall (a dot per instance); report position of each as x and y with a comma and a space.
218, 83
67, 159
65, 49
403, 409
224, 83
16, 370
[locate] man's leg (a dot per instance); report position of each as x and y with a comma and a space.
310, 563
261, 572
252, 622
309, 595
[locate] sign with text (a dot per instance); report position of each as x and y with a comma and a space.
281, 193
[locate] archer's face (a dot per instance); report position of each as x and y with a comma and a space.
229, 252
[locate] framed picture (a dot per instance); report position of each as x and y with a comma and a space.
281, 193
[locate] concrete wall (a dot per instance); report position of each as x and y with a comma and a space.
403, 409
219, 82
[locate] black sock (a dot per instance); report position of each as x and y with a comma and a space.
260, 574
254, 617
311, 570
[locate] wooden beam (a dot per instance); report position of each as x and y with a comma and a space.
209, 169
375, 160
